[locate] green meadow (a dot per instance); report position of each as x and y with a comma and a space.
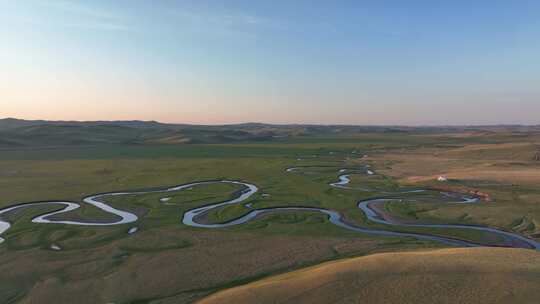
90, 254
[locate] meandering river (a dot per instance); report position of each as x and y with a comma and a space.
194, 217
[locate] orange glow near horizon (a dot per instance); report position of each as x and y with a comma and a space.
249, 61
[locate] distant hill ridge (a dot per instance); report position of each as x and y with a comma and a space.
31, 133
7, 123
15, 122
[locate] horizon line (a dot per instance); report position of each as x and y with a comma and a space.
278, 124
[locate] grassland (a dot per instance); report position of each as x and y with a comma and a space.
506, 172
479, 275
166, 261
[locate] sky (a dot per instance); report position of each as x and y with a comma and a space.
324, 62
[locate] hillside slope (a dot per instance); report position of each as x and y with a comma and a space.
465, 275
15, 133
24, 133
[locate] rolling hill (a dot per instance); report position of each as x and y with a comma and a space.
41, 133
472, 275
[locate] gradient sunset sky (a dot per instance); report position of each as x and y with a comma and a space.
210, 62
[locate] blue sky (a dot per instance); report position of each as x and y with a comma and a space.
349, 62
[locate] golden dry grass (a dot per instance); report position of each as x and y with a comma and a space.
505, 173
465, 275
527, 176
504, 163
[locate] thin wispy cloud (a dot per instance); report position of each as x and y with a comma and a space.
223, 22
76, 7
75, 14
225, 19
